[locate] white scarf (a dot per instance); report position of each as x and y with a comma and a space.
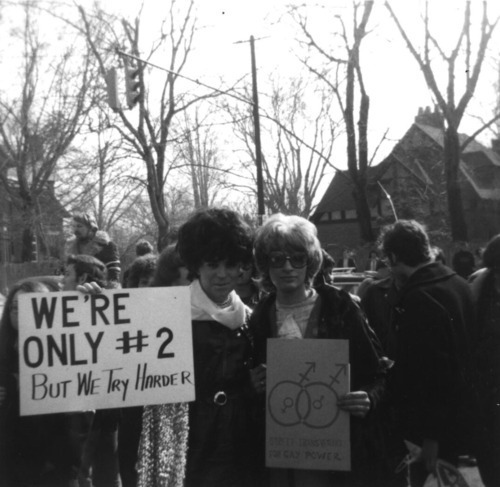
203, 308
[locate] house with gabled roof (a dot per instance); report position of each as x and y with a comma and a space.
410, 183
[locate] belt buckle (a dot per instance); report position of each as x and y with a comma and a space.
220, 398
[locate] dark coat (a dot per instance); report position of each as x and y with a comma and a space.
428, 342
377, 302
221, 450
486, 359
339, 317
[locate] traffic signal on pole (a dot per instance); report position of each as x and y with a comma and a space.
112, 89
132, 85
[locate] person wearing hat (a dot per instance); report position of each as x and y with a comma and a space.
88, 240
84, 230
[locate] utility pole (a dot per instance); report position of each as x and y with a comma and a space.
258, 151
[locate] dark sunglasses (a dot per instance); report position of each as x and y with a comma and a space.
297, 260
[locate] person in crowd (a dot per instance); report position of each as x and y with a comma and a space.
142, 247
107, 252
142, 270
288, 256
93, 434
140, 275
84, 229
246, 286
164, 427
325, 274
348, 260
31, 447
214, 244
463, 262
374, 262
170, 271
430, 317
486, 358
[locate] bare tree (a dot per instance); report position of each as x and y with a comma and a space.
343, 76
148, 129
297, 145
100, 178
39, 118
463, 62
200, 159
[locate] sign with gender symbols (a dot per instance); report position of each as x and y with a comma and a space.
305, 429
119, 348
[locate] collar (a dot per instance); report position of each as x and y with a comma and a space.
203, 308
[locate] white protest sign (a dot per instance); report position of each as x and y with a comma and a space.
124, 347
304, 427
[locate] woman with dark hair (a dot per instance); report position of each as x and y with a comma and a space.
486, 353
170, 270
29, 445
142, 270
213, 244
288, 256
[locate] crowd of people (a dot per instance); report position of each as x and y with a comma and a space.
424, 353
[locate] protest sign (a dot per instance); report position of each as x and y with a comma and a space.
304, 427
119, 348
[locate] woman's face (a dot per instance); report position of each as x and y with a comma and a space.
288, 271
218, 279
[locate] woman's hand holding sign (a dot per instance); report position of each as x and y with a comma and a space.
356, 403
258, 378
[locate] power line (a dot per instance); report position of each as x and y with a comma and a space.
138, 59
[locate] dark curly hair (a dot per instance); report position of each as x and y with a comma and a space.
143, 247
408, 241
87, 264
142, 267
167, 268
214, 235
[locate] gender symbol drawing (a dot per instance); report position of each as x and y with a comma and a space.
311, 403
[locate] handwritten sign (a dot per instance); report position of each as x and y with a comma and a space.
304, 427
126, 347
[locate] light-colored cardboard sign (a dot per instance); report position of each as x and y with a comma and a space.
120, 348
304, 427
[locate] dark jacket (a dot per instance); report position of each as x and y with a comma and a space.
221, 418
377, 301
110, 256
428, 342
339, 317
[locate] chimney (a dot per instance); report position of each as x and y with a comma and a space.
430, 118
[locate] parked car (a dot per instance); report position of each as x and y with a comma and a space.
348, 279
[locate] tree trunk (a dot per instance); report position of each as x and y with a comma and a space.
363, 214
28, 236
451, 156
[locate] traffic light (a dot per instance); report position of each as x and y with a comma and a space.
112, 88
132, 85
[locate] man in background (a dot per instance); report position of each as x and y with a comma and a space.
430, 318
84, 230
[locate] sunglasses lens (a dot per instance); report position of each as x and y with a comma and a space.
298, 260
278, 259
